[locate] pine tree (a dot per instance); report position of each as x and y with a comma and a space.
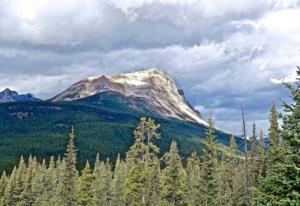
152, 190
15, 185
193, 182
135, 184
53, 174
59, 189
70, 173
66, 175
27, 196
49, 180
253, 157
39, 184
173, 179
228, 171
10, 193
261, 156
140, 160
282, 184
274, 128
275, 146
209, 168
143, 148
118, 184
102, 184
84, 190
235, 176
3, 182
20, 179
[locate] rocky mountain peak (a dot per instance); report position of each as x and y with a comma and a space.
154, 86
8, 95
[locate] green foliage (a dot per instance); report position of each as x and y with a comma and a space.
193, 181
145, 179
209, 168
69, 176
282, 183
274, 128
231, 177
104, 125
118, 183
102, 183
84, 190
143, 166
173, 178
3, 182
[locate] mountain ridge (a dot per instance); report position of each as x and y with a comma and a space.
8, 95
104, 124
104, 110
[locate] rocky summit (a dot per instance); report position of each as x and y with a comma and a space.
155, 87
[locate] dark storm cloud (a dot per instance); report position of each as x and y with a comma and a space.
222, 53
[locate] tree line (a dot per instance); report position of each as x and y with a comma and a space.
269, 175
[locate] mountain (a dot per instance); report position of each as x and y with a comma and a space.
155, 87
8, 95
104, 112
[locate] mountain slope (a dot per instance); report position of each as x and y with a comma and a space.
104, 124
8, 95
154, 86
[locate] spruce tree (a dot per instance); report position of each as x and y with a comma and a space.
282, 184
228, 173
10, 193
20, 179
209, 168
274, 128
66, 175
193, 182
261, 156
84, 190
27, 196
70, 173
59, 189
39, 184
143, 148
118, 184
53, 174
275, 146
173, 179
235, 175
135, 184
3, 182
49, 180
102, 183
253, 157
152, 190
141, 163
15, 185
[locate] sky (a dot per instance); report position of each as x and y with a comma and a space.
223, 53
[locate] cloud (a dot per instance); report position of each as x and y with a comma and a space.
222, 53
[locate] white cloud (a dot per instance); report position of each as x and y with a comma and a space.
222, 53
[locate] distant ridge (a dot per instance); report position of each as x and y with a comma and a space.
8, 95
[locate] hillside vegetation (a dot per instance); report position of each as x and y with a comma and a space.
105, 125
